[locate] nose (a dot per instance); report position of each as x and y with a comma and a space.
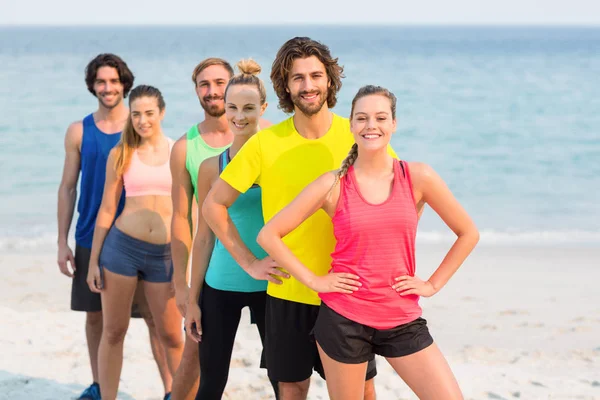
142, 119
371, 123
308, 85
212, 90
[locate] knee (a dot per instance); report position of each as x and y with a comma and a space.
370, 389
294, 389
93, 319
114, 334
149, 320
171, 338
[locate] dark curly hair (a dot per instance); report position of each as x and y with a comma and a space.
109, 60
303, 47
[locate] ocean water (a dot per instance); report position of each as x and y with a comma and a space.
508, 116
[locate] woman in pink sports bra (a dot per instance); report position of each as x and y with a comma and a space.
137, 244
370, 298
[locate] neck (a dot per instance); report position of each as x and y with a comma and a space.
115, 114
376, 162
239, 141
214, 124
314, 126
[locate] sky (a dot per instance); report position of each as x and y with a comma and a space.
201, 12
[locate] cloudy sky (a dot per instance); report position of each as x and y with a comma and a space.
107, 12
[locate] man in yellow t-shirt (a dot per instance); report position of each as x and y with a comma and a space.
283, 159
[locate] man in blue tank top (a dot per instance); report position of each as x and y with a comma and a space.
87, 145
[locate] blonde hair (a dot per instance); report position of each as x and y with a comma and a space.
249, 70
130, 139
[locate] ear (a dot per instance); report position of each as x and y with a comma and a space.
395, 125
162, 114
263, 108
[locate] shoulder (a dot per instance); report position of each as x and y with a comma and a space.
113, 153
326, 181
209, 165
341, 122
179, 148
421, 173
277, 129
263, 123
75, 131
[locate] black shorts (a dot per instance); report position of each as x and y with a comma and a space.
350, 342
290, 349
83, 299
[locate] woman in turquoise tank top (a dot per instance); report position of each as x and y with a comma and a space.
220, 287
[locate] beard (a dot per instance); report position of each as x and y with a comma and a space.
110, 106
309, 109
214, 110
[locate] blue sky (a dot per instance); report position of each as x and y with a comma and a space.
198, 12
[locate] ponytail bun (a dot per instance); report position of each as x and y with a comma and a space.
249, 67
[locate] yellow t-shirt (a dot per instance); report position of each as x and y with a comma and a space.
283, 163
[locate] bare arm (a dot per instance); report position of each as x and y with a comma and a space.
309, 201
429, 188
205, 238
113, 187
67, 194
216, 215
202, 249
182, 195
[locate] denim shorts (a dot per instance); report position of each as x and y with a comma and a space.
125, 255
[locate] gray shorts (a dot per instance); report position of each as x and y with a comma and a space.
125, 255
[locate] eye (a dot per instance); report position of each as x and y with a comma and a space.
360, 119
381, 119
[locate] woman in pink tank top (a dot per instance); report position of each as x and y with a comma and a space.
370, 298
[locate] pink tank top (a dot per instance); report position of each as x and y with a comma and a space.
377, 243
144, 180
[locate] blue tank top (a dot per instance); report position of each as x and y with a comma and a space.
95, 147
246, 213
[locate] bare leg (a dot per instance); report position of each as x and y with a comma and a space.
93, 334
161, 300
294, 390
157, 350
187, 377
117, 298
428, 374
370, 389
344, 381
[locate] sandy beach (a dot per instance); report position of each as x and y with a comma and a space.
514, 323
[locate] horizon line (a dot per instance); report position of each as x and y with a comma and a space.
312, 24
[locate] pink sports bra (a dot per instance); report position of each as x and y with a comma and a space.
145, 180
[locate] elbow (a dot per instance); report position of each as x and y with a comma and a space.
261, 239
207, 207
472, 236
265, 238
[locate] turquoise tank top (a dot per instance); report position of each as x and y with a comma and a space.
246, 213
